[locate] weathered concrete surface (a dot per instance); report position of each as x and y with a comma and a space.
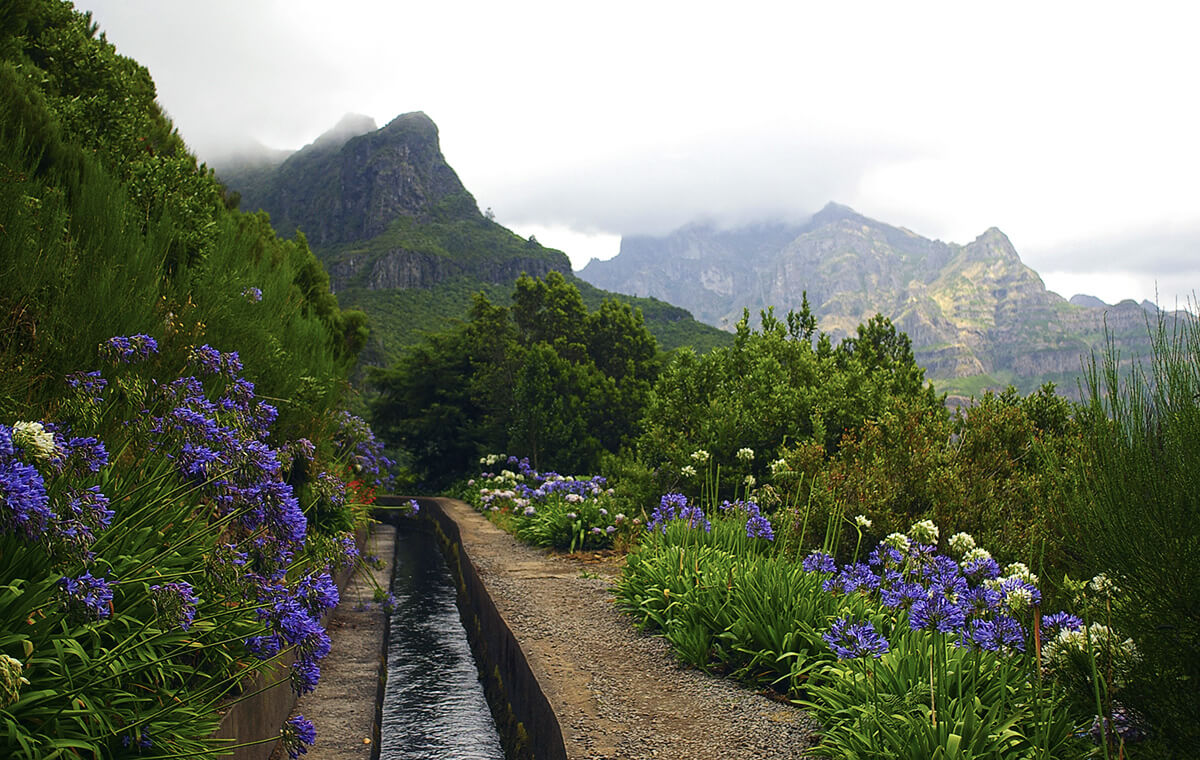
344, 707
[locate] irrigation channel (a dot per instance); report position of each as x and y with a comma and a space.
433, 702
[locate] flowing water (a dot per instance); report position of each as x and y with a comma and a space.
433, 703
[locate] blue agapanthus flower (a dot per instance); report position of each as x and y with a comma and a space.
851, 641
1061, 621
818, 561
87, 597
695, 518
129, 349
668, 508
318, 593
852, 578
24, 505
937, 613
304, 676
175, 603
758, 526
297, 735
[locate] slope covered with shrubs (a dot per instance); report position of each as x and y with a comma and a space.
178, 481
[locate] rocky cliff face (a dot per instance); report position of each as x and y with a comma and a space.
400, 269
400, 236
346, 187
974, 312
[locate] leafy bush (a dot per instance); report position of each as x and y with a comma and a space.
568, 513
911, 654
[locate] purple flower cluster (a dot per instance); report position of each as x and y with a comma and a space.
1125, 723
219, 446
669, 507
818, 561
212, 362
253, 295
970, 603
367, 460
79, 456
175, 603
695, 517
89, 384
128, 349
297, 735
293, 619
852, 641
757, 526
87, 597
548, 484
24, 504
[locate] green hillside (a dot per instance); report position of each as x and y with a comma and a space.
404, 241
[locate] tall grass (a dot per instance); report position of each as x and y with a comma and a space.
1138, 511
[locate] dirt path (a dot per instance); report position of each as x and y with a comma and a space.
617, 693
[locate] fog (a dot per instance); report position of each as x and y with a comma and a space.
1067, 126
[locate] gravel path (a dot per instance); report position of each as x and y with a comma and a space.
618, 693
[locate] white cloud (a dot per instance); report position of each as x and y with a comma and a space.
1063, 124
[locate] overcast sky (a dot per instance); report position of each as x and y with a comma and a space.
1072, 127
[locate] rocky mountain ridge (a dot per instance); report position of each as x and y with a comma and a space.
978, 317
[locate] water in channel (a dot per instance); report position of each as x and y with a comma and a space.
433, 702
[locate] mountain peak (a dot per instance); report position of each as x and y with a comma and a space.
1082, 299
355, 180
412, 120
349, 126
834, 212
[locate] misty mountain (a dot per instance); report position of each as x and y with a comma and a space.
403, 239
977, 316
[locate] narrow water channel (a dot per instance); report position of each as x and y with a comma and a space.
433, 702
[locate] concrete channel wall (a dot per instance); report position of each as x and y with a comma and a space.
528, 725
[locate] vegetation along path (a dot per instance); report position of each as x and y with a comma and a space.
344, 704
617, 693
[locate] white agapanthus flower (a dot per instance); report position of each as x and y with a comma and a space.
745, 454
35, 439
1102, 584
862, 521
700, 456
1071, 645
975, 555
778, 466
1020, 570
1019, 599
687, 471
924, 532
961, 543
898, 541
